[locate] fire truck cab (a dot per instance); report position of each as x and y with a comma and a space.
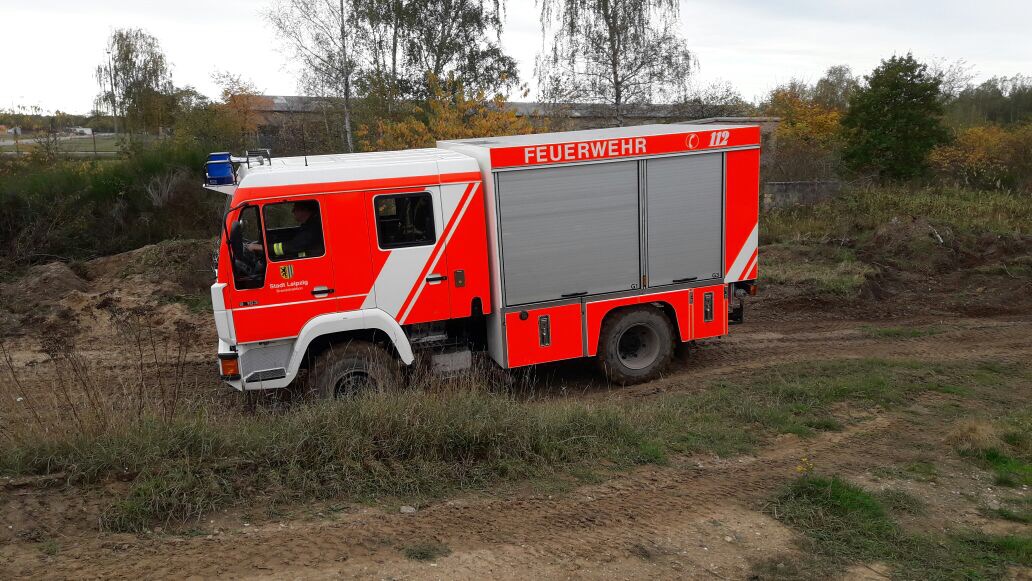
611, 243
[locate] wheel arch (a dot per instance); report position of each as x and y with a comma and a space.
663, 305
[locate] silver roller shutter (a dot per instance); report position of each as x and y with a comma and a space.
685, 217
569, 230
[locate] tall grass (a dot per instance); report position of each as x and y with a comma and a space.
862, 211
454, 435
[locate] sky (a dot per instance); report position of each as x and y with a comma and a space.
50, 54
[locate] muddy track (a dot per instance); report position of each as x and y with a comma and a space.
697, 518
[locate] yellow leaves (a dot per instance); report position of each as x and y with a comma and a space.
805, 467
448, 114
987, 156
803, 119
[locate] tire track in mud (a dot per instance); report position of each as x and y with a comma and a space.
682, 511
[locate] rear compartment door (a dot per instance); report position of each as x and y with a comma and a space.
569, 231
685, 218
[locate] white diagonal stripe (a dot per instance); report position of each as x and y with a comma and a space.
444, 246
737, 270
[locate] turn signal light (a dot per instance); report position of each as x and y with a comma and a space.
230, 367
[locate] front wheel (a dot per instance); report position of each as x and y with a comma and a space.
346, 369
635, 345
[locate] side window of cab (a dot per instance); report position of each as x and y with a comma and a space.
293, 230
248, 265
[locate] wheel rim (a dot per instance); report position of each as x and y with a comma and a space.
351, 382
638, 347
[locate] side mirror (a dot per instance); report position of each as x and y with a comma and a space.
236, 238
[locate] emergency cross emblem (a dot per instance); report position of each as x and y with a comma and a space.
286, 271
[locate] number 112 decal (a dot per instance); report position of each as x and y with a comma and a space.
719, 138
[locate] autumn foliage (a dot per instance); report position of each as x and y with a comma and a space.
989, 156
446, 114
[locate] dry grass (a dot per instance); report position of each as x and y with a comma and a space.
823, 269
861, 212
973, 435
185, 457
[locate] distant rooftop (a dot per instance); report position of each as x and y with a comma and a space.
305, 104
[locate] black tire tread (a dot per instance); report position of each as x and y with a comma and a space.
381, 364
607, 358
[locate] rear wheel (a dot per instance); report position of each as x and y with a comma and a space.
346, 369
635, 345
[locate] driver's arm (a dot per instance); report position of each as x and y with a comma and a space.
303, 242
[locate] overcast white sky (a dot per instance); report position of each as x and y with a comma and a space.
51, 47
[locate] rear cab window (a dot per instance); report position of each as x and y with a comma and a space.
405, 220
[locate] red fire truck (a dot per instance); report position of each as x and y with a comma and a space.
611, 243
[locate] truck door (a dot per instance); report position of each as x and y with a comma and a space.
413, 283
291, 275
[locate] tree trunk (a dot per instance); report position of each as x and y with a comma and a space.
346, 66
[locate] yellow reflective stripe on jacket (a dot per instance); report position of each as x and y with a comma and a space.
277, 249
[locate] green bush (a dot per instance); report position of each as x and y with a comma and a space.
73, 209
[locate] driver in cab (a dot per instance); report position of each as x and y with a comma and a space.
306, 239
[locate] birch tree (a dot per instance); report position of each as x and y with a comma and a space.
323, 35
135, 81
619, 53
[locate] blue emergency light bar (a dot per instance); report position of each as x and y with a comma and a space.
219, 173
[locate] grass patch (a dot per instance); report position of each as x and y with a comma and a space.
1008, 471
845, 524
427, 551
1005, 513
1003, 447
425, 444
921, 471
824, 269
862, 211
899, 332
900, 502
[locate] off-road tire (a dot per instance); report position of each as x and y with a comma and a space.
651, 330
334, 371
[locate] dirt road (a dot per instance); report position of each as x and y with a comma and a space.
699, 517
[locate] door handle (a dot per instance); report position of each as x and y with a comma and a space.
436, 278
321, 290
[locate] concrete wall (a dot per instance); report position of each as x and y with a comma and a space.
781, 194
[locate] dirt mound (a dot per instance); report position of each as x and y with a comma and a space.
917, 245
162, 286
185, 263
913, 244
46, 283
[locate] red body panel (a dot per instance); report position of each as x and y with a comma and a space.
524, 344
743, 213
467, 252
717, 325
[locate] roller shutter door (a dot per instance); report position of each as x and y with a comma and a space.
568, 230
685, 218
